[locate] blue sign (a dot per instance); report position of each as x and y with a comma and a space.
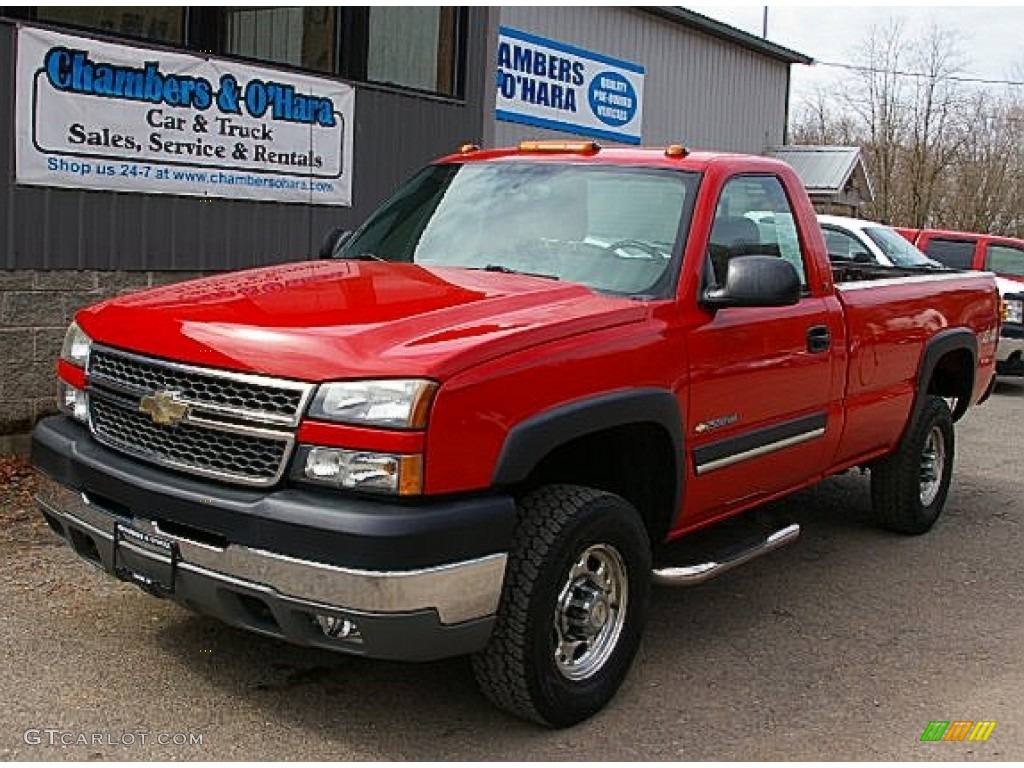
553, 85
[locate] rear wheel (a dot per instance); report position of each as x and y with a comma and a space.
909, 487
572, 608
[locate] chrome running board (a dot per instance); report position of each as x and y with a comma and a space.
689, 575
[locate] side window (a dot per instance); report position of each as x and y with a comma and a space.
958, 254
753, 216
1005, 260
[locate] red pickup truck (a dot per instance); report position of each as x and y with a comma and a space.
472, 430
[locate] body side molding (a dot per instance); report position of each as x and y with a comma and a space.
759, 442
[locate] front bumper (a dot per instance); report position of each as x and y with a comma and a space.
246, 557
1010, 352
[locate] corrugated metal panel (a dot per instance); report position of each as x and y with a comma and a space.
395, 134
6, 136
699, 90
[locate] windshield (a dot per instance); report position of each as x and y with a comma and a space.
899, 250
610, 228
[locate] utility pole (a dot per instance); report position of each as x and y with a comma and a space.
764, 25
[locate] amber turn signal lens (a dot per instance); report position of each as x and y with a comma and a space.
571, 147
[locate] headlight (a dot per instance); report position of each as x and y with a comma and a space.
1014, 311
362, 470
395, 403
76, 346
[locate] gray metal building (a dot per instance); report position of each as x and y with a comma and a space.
422, 81
707, 85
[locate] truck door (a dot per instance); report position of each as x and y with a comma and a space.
765, 383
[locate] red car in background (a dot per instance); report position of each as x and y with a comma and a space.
994, 253
971, 250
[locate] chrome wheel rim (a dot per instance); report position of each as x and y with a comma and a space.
933, 465
590, 612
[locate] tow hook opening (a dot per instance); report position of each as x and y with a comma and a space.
258, 612
55, 525
84, 546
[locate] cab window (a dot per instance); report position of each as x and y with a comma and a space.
753, 216
1005, 260
844, 247
958, 254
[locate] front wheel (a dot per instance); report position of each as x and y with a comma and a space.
909, 487
572, 608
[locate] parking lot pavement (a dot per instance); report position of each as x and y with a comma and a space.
843, 646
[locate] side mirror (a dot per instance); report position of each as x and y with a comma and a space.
756, 281
333, 241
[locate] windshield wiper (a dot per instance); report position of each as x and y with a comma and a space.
366, 256
509, 271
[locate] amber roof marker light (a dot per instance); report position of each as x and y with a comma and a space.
561, 147
677, 151
467, 149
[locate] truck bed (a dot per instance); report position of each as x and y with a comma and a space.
888, 323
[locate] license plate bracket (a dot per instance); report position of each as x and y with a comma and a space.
145, 559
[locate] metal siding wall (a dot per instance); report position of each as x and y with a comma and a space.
6, 138
702, 91
395, 134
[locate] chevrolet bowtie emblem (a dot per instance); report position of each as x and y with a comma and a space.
164, 407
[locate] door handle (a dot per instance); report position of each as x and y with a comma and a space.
819, 339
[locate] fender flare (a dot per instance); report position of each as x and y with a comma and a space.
944, 342
528, 442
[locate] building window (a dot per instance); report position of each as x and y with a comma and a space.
300, 37
416, 47
413, 47
155, 23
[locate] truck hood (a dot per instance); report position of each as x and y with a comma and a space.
1007, 287
324, 320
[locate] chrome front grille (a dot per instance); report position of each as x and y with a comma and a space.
236, 427
270, 400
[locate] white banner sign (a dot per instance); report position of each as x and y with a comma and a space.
550, 84
97, 115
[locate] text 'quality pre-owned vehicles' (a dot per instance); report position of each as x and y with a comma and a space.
473, 429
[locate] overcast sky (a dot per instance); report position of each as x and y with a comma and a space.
991, 38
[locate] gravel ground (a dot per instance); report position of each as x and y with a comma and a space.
843, 646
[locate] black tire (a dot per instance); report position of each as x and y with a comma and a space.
900, 499
517, 670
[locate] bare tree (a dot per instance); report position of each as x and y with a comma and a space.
934, 136
979, 192
876, 97
939, 153
819, 122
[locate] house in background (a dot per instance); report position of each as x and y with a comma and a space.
835, 177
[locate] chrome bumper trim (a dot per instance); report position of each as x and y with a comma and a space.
1007, 347
457, 591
